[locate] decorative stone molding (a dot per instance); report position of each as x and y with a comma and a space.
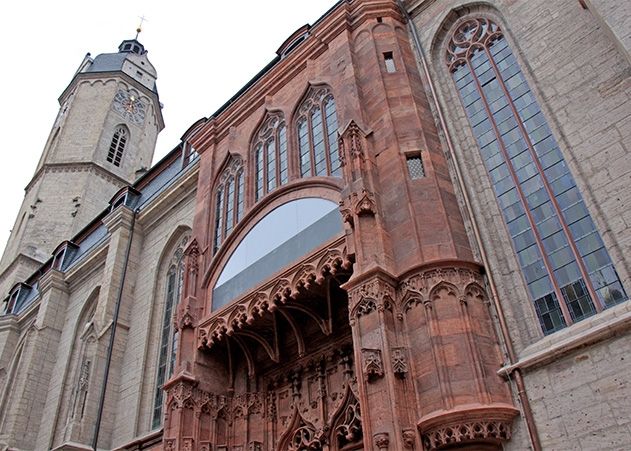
485, 424
374, 294
278, 291
373, 364
473, 431
422, 286
399, 362
382, 440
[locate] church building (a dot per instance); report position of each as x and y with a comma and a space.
410, 231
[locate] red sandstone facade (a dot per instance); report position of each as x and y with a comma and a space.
382, 337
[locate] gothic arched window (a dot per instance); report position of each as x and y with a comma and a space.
229, 201
169, 336
270, 155
117, 146
316, 128
567, 269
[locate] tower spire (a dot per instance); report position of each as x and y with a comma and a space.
139, 29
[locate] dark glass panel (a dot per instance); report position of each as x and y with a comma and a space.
303, 144
271, 164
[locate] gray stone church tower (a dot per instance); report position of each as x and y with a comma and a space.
103, 139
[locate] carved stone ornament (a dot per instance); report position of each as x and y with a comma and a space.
187, 319
187, 444
255, 446
169, 445
366, 205
399, 362
382, 440
467, 432
409, 437
373, 364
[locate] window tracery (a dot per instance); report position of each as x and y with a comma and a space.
169, 336
229, 201
568, 271
270, 155
316, 127
117, 146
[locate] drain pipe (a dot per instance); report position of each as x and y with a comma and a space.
510, 351
110, 348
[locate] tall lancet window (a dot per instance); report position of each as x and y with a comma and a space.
228, 202
270, 155
117, 146
169, 336
567, 269
316, 128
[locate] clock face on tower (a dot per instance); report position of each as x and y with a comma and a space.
129, 106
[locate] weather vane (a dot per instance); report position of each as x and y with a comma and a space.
139, 29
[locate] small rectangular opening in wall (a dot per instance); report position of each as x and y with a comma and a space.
389, 62
415, 166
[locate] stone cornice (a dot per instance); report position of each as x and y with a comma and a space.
120, 217
76, 167
52, 279
609, 323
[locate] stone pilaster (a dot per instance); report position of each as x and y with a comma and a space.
26, 400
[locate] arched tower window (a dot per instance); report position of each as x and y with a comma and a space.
229, 201
117, 146
316, 128
567, 269
270, 155
169, 336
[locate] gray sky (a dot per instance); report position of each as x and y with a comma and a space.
204, 51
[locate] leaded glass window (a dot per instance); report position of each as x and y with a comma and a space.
270, 155
168, 335
228, 202
316, 127
566, 267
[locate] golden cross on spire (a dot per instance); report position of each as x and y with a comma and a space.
139, 29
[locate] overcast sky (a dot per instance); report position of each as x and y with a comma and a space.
204, 51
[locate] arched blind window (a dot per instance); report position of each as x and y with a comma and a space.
117, 146
568, 271
316, 128
229, 202
270, 155
169, 336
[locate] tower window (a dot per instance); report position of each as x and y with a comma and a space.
388, 60
565, 264
415, 166
117, 146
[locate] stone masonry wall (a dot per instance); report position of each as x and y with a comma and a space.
582, 81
